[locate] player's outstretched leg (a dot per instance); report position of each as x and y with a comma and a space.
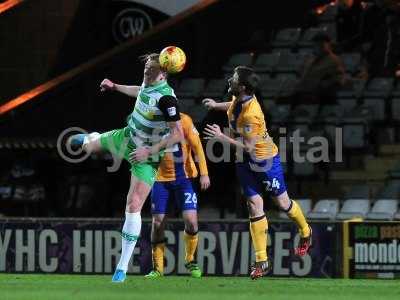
294, 212
88, 142
191, 238
157, 246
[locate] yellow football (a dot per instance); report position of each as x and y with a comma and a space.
172, 59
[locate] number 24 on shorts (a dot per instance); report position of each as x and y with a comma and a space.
268, 186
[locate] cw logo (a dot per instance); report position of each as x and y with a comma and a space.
129, 23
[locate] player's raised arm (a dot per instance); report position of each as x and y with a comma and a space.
214, 132
129, 90
193, 138
211, 104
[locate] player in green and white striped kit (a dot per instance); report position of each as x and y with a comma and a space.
153, 126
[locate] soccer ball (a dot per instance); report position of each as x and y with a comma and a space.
172, 59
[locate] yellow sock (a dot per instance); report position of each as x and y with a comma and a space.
258, 231
191, 241
158, 257
296, 214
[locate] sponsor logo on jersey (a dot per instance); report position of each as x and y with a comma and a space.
247, 129
171, 111
152, 102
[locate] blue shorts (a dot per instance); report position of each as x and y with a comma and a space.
181, 190
258, 176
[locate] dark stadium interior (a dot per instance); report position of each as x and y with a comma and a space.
321, 199
51, 39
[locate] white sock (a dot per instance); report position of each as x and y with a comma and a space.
130, 234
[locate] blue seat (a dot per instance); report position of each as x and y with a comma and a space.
240, 59
354, 208
286, 38
351, 62
380, 87
266, 62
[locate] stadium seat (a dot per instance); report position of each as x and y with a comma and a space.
280, 113
306, 110
305, 205
379, 88
394, 172
358, 192
301, 119
291, 63
307, 52
330, 29
354, 133
396, 109
325, 209
286, 76
391, 190
383, 209
330, 126
300, 124
354, 208
286, 38
269, 105
396, 89
351, 62
362, 112
303, 169
308, 35
347, 104
191, 88
269, 88
266, 62
215, 88
288, 86
331, 111
377, 107
240, 59
353, 90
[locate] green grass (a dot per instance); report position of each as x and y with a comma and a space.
76, 287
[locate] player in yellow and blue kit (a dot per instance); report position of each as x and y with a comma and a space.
258, 164
174, 181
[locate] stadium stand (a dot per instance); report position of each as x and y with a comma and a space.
353, 208
361, 107
324, 209
383, 209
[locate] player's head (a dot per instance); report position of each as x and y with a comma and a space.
243, 82
152, 71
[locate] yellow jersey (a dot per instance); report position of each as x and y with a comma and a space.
246, 119
178, 162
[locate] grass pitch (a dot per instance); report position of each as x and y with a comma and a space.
76, 287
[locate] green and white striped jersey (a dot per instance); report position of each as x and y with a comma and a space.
147, 124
